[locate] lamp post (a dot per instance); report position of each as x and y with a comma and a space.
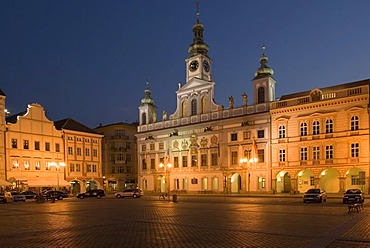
245, 162
57, 167
166, 168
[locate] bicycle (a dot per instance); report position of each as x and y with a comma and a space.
164, 197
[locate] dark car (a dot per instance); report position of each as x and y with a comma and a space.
353, 196
98, 193
56, 194
17, 196
315, 195
29, 194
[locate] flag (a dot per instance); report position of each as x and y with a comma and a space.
254, 151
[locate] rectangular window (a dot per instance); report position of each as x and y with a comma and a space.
94, 167
57, 147
282, 155
128, 157
26, 144
120, 157
184, 161
234, 137
234, 157
194, 181
95, 152
70, 150
176, 162
88, 168
128, 145
112, 158
204, 161
194, 160
316, 152
26, 165
15, 164
87, 152
14, 143
152, 147
120, 133
78, 168
261, 182
246, 135
261, 155
143, 162
38, 165
304, 154
72, 167
152, 163
214, 158
47, 146
176, 183
161, 146
143, 148
47, 167
128, 169
355, 150
312, 181
355, 180
261, 134
329, 152
37, 145
185, 184
215, 183
120, 169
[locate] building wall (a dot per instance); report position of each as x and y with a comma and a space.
343, 170
119, 156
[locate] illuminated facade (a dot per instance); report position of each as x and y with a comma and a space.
83, 155
203, 147
119, 156
320, 138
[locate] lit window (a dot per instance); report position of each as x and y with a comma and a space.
355, 150
282, 155
329, 126
303, 129
316, 128
303, 153
354, 123
281, 131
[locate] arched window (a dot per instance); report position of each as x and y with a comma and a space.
282, 132
303, 129
329, 126
316, 128
354, 123
261, 95
184, 109
204, 105
193, 107
143, 118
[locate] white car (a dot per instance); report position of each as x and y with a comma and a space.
135, 193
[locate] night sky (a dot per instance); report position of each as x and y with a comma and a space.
90, 60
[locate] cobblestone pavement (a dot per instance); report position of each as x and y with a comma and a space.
191, 222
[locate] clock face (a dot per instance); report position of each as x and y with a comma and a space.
194, 65
206, 66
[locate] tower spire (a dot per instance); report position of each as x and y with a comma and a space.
263, 70
198, 46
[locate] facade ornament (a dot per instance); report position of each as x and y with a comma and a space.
204, 142
245, 99
164, 115
154, 117
231, 102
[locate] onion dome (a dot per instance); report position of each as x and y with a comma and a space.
264, 70
198, 46
147, 99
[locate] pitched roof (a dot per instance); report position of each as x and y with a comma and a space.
14, 118
70, 124
2, 93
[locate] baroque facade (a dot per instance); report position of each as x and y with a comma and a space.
317, 138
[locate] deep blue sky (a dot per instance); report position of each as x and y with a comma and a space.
90, 60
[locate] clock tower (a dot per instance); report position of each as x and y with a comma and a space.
198, 65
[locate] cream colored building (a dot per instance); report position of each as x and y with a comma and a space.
119, 156
83, 155
34, 150
199, 147
320, 138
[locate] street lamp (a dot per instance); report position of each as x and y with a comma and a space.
57, 167
166, 168
245, 162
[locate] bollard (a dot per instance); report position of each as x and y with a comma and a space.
174, 198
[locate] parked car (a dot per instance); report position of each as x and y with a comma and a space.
29, 194
353, 195
98, 193
315, 195
135, 193
17, 196
6, 197
55, 193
